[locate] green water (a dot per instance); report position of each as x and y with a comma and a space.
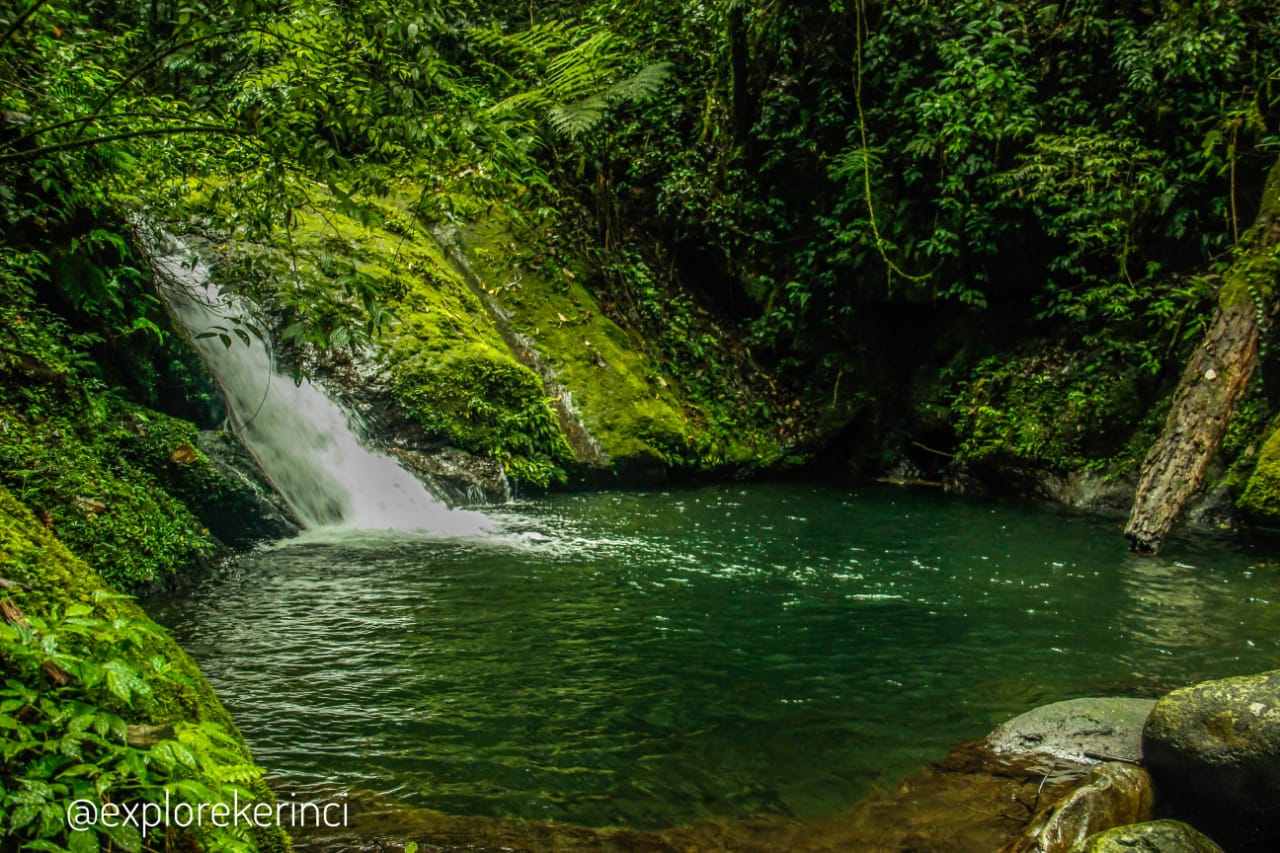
646, 659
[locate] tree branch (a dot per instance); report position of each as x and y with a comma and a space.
115, 137
71, 122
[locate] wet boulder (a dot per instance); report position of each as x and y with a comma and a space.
1112, 795
1078, 731
1213, 750
1158, 836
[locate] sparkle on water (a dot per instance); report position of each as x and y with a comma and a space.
646, 659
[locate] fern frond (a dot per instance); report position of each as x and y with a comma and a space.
641, 85
572, 120
851, 163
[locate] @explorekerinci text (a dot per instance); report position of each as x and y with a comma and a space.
146, 816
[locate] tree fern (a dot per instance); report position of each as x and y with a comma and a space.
582, 73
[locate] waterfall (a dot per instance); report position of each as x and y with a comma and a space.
305, 443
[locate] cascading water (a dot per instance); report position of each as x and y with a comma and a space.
303, 441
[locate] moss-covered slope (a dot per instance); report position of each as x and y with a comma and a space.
491, 352
100, 703
649, 402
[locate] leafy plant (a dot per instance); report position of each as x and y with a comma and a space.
67, 738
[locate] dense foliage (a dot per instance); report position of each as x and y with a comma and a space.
992, 226
1076, 173
98, 704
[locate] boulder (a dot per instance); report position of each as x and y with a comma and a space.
1078, 731
1113, 795
1213, 750
1158, 836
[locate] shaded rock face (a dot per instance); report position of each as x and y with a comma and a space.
1214, 752
455, 476
253, 512
1092, 491
1078, 731
1159, 836
461, 479
1113, 795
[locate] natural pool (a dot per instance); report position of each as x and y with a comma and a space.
646, 659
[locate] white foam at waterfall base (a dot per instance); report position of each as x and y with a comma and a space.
303, 441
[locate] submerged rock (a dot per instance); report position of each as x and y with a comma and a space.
1078, 731
1113, 795
1214, 752
1158, 836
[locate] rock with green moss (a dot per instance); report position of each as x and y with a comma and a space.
1214, 752
442, 374
1157, 836
1261, 496
156, 687
489, 353
643, 414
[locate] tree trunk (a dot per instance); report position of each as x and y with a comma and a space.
1213, 383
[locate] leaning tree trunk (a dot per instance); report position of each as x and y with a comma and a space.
1212, 384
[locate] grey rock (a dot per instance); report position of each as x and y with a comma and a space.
1078, 731
1157, 836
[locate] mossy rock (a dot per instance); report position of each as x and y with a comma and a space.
449, 375
487, 404
1157, 836
108, 510
1261, 495
642, 418
47, 578
1214, 752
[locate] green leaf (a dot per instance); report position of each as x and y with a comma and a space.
82, 841
125, 836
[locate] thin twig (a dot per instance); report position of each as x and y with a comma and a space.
115, 137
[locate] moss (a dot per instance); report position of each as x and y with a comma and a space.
67, 456
483, 403
1252, 278
451, 371
634, 405
1261, 496
51, 578
1256, 272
